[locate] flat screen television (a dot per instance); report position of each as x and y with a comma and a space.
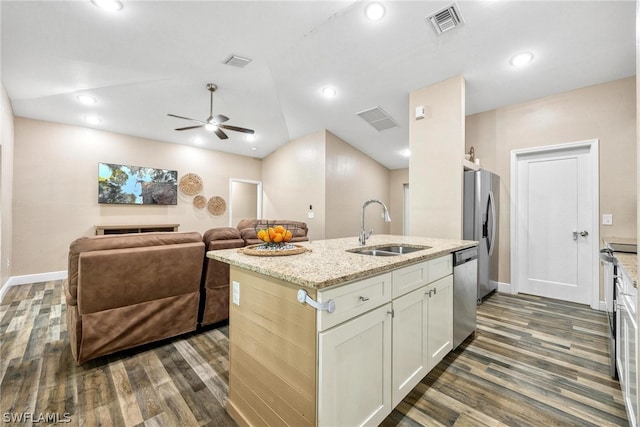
136, 185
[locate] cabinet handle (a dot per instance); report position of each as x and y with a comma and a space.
303, 297
363, 299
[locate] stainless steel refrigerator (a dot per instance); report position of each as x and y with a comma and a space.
480, 222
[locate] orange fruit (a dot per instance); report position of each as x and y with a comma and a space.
279, 229
271, 232
277, 238
287, 236
261, 234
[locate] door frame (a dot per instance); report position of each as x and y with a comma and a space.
593, 153
259, 196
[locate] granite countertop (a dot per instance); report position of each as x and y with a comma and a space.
327, 263
628, 261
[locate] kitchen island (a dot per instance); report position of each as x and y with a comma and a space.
293, 364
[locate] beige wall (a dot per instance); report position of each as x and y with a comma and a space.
292, 179
398, 178
55, 187
437, 145
352, 178
606, 112
6, 187
325, 172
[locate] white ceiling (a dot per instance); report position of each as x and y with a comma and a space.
156, 57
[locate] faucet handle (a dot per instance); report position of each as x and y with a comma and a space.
370, 233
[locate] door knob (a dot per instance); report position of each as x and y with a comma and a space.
584, 233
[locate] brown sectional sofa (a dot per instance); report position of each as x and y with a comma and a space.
131, 289
214, 305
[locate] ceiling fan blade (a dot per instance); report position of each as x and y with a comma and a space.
190, 127
237, 129
220, 118
220, 134
185, 118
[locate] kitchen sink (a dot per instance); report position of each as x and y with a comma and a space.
388, 250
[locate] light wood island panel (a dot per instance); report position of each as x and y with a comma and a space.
272, 353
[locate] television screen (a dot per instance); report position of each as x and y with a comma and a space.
136, 185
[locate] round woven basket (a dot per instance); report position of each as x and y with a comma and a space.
190, 184
217, 205
255, 251
200, 201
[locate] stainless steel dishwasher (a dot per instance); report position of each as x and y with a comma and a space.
465, 293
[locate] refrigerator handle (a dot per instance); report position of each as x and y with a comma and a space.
492, 203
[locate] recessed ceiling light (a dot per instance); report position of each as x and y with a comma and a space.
521, 59
110, 5
329, 92
374, 11
93, 120
198, 140
406, 152
86, 99
253, 148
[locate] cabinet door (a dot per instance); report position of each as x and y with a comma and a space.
629, 361
354, 371
440, 320
410, 351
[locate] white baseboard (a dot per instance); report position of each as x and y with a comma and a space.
504, 288
32, 278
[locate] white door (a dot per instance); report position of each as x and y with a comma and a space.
555, 231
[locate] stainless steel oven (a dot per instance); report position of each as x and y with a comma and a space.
609, 269
610, 277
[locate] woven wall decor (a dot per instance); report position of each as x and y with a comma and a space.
217, 205
190, 184
200, 201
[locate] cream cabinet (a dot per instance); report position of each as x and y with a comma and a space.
422, 334
440, 320
354, 371
627, 346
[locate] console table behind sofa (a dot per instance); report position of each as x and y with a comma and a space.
135, 228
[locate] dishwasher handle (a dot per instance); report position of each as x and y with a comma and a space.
465, 256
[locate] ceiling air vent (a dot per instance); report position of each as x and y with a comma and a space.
446, 18
237, 61
378, 118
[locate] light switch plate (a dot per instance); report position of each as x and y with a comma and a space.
236, 292
310, 215
607, 219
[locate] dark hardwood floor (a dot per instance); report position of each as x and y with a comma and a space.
532, 362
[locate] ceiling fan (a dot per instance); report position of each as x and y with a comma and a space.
213, 123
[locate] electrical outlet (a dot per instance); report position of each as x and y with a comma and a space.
236, 293
607, 219
310, 215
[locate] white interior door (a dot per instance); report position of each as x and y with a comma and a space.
555, 228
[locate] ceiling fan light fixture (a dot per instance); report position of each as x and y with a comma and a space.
250, 137
210, 127
108, 5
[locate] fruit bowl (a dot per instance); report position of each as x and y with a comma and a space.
273, 234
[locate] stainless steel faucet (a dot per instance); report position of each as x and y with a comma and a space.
363, 234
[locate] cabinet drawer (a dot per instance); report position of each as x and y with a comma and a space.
439, 268
409, 278
354, 299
